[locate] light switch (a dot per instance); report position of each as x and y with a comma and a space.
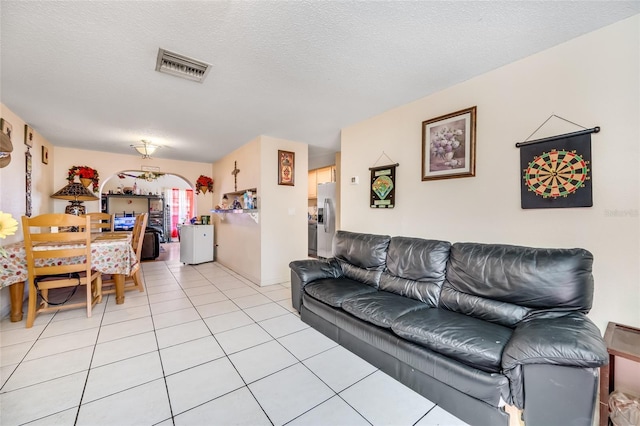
355, 180
292, 211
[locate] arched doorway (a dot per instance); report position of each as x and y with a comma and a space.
167, 197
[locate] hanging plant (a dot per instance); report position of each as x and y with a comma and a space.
204, 184
85, 172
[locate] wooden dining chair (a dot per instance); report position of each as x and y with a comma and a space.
57, 260
134, 280
101, 222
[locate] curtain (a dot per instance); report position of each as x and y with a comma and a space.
181, 208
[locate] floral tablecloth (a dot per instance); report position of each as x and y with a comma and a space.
108, 255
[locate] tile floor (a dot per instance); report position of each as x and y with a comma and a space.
202, 346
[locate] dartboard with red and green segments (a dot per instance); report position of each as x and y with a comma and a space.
556, 173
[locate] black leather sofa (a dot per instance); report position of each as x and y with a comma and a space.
472, 327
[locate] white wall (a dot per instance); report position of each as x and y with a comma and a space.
592, 80
323, 160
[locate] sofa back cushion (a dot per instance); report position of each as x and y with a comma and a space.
362, 257
416, 268
504, 284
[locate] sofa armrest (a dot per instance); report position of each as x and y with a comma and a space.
304, 272
571, 340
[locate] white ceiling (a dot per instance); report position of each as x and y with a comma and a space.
81, 73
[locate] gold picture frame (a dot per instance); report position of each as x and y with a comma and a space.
5, 127
449, 145
28, 136
286, 168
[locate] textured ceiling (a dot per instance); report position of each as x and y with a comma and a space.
82, 73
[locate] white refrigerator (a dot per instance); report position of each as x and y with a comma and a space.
326, 218
196, 243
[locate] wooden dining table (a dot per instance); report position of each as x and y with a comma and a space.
111, 253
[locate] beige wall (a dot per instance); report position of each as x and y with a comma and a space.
283, 212
261, 252
592, 80
238, 236
12, 177
159, 185
12, 183
107, 164
46, 179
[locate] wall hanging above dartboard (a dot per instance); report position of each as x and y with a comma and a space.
556, 171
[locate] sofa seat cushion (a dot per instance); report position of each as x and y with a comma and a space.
365, 339
381, 308
469, 340
333, 291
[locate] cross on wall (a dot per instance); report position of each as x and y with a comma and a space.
235, 172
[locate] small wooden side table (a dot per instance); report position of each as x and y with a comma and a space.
622, 341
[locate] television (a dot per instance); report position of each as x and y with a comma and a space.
123, 223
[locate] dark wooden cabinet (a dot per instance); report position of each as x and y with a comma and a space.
622, 341
154, 205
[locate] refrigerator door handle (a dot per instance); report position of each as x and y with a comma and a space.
327, 213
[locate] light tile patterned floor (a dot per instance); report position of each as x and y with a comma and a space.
202, 346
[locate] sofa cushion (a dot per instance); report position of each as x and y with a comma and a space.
416, 268
516, 281
381, 308
362, 256
469, 340
333, 291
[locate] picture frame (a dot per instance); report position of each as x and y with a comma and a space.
45, 155
383, 187
28, 169
286, 168
5, 127
449, 145
28, 136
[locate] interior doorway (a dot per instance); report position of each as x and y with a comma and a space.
168, 198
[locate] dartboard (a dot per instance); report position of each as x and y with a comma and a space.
556, 173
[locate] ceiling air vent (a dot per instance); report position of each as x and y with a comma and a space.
181, 66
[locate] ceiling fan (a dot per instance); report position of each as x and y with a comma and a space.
148, 176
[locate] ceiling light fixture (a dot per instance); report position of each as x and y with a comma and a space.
145, 148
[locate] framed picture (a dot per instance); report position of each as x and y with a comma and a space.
286, 167
28, 136
449, 145
45, 155
6, 127
383, 188
28, 169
